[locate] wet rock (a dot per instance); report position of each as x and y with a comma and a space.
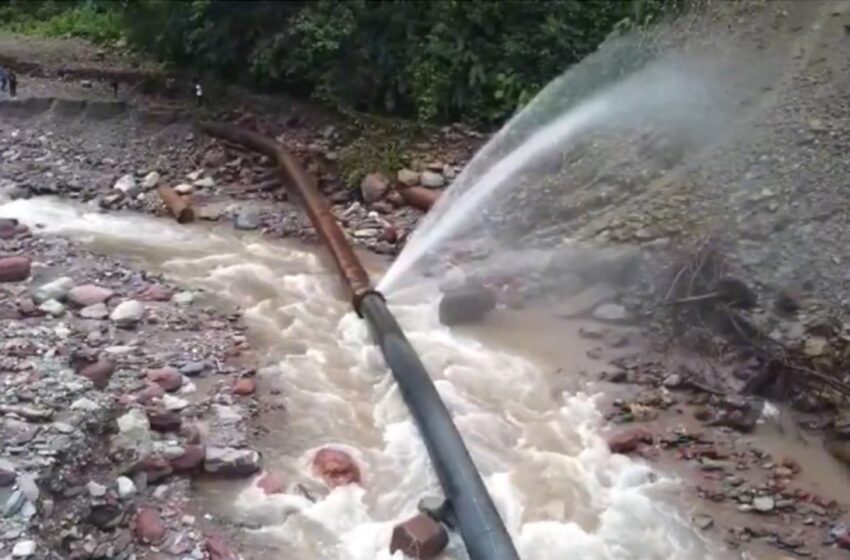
52, 307
584, 302
432, 180
95, 489
88, 294
155, 292
164, 420
168, 378
151, 393
99, 372
14, 269
127, 185
9, 228
23, 549
628, 441
154, 467
408, 177
173, 403
247, 220
148, 526
612, 312
106, 515
190, 460
183, 298
373, 187
419, 537
244, 386
193, 369
97, 311
126, 488
127, 313
57, 290
228, 461
764, 504
134, 430
336, 467
218, 549
150, 181
467, 304
271, 483
184, 189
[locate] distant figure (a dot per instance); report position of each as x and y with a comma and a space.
199, 94
13, 84
2, 79
114, 84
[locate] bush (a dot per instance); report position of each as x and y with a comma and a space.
96, 21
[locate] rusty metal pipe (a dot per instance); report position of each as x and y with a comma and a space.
480, 525
176, 204
353, 273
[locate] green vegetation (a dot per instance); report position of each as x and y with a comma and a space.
434, 61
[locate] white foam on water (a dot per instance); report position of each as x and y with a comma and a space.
553, 479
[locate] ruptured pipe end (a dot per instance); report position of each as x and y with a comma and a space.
360, 296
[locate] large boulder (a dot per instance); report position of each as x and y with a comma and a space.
14, 269
468, 303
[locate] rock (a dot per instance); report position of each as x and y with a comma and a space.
155, 468
134, 430
408, 177
432, 180
95, 489
155, 292
148, 526
183, 298
126, 487
52, 308
99, 372
151, 393
23, 549
270, 483
815, 346
612, 312
190, 460
127, 313
87, 84
214, 157
336, 467
228, 461
419, 537
466, 305
789, 300
168, 378
247, 220
184, 189
244, 386
584, 302
89, 294
173, 403
96, 311
764, 504
218, 549
14, 503
7, 473
840, 449
373, 187
193, 369
673, 381
628, 440
106, 515
127, 185
85, 404
150, 181
205, 183
703, 522
164, 420
57, 289
14, 269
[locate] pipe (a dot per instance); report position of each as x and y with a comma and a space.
480, 526
176, 204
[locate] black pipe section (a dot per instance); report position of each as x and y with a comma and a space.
480, 526
472, 509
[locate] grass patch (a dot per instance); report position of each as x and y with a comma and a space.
96, 21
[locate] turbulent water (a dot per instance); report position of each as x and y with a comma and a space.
559, 489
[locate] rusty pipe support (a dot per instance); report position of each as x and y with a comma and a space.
353, 274
478, 521
176, 204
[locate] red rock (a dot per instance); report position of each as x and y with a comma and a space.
844, 541
218, 549
191, 459
9, 228
389, 234
152, 392
629, 440
191, 432
148, 526
89, 294
164, 420
14, 269
336, 467
155, 292
244, 386
99, 372
270, 483
167, 378
155, 467
419, 537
